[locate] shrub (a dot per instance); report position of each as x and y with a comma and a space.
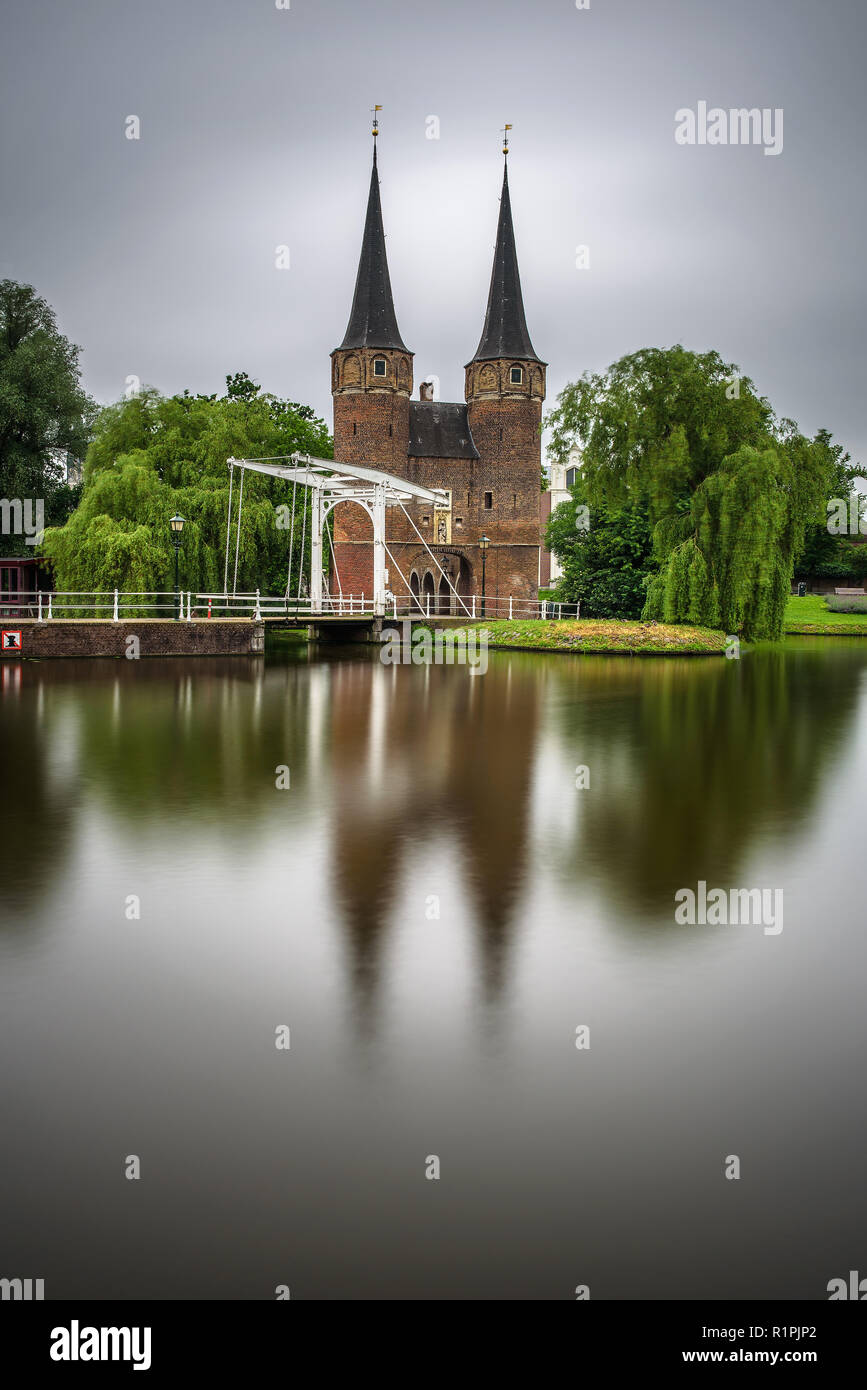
836, 603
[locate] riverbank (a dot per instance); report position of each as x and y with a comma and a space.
809, 617
601, 636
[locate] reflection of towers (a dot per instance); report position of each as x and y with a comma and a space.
426, 753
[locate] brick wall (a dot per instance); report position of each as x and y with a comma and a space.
156, 636
371, 428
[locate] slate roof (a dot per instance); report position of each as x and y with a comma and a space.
440, 430
373, 322
505, 332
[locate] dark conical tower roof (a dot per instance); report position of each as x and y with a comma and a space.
373, 322
505, 331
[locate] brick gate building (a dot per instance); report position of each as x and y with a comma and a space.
486, 450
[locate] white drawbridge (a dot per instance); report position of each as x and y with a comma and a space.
330, 483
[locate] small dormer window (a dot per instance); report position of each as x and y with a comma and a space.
379, 366
516, 375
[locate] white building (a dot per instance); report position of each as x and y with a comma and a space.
561, 479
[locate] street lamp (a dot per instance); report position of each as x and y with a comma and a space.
177, 525
484, 542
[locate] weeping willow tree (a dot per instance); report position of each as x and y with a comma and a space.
152, 456
729, 489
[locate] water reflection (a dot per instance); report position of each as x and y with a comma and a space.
693, 761
309, 907
430, 757
689, 761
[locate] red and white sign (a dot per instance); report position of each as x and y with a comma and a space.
10, 640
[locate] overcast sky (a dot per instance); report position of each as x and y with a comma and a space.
159, 254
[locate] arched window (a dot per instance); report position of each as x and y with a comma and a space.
571, 475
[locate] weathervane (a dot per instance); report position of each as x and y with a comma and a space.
376, 111
506, 129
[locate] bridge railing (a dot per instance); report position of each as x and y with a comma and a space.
472, 607
117, 605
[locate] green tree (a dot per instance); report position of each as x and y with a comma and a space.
825, 554
44, 412
606, 555
152, 456
729, 489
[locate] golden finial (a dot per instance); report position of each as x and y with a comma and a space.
506, 130
376, 111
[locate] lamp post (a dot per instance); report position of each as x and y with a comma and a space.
484, 542
177, 525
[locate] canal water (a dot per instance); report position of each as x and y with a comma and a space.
465, 877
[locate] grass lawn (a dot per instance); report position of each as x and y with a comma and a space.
809, 616
589, 635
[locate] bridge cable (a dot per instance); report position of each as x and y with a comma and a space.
303, 531
228, 529
416, 597
238, 532
334, 558
435, 560
291, 543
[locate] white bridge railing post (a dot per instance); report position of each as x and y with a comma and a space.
510, 605
39, 597
114, 616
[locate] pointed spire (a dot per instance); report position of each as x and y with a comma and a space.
505, 332
373, 322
